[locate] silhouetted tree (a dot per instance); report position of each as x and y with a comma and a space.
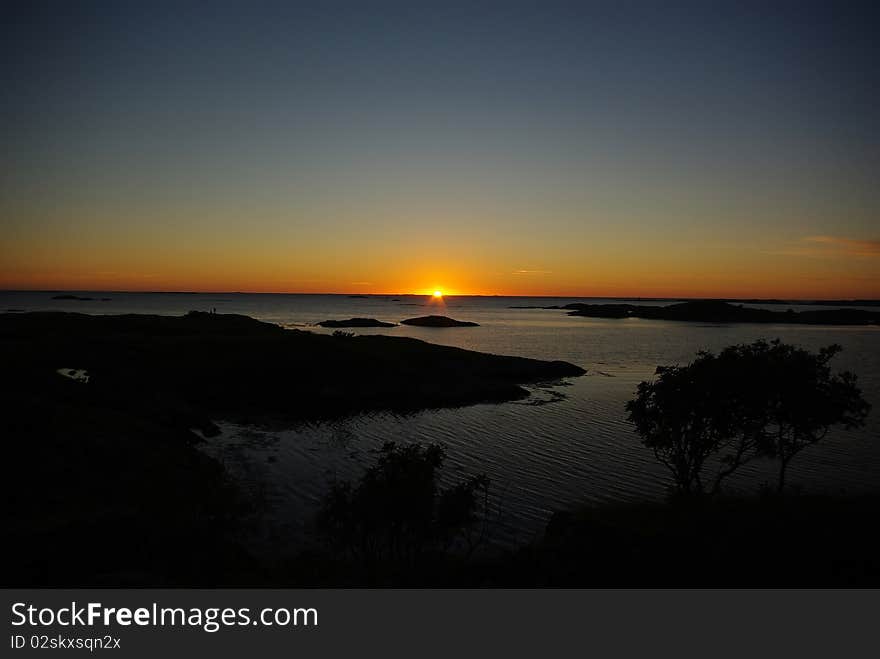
686, 418
761, 399
397, 512
796, 398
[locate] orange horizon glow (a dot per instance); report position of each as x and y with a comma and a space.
698, 288
585, 292
811, 269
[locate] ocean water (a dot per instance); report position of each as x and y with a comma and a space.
567, 444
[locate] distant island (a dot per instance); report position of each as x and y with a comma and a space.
718, 311
823, 303
356, 322
768, 301
437, 321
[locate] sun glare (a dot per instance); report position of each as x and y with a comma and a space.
438, 294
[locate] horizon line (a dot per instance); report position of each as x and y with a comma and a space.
361, 294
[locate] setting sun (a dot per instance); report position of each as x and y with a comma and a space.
438, 293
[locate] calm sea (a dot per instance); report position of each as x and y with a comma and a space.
565, 445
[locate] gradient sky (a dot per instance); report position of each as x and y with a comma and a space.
584, 149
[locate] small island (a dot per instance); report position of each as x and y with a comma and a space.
356, 322
437, 321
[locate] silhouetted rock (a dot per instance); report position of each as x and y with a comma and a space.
226, 365
67, 296
437, 321
717, 311
356, 322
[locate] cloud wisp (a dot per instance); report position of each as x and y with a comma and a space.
824, 246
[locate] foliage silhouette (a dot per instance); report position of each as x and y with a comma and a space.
757, 400
398, 513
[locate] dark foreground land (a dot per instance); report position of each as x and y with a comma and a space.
794, 541
104, 483
102, 478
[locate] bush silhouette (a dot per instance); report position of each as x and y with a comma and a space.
397, 512
757, 400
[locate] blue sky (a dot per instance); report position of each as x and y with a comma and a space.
614, 148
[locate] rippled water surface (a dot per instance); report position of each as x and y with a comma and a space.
567, 443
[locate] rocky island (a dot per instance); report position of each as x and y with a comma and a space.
356, 322
437, 321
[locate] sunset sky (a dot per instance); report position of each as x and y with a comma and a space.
582, 149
